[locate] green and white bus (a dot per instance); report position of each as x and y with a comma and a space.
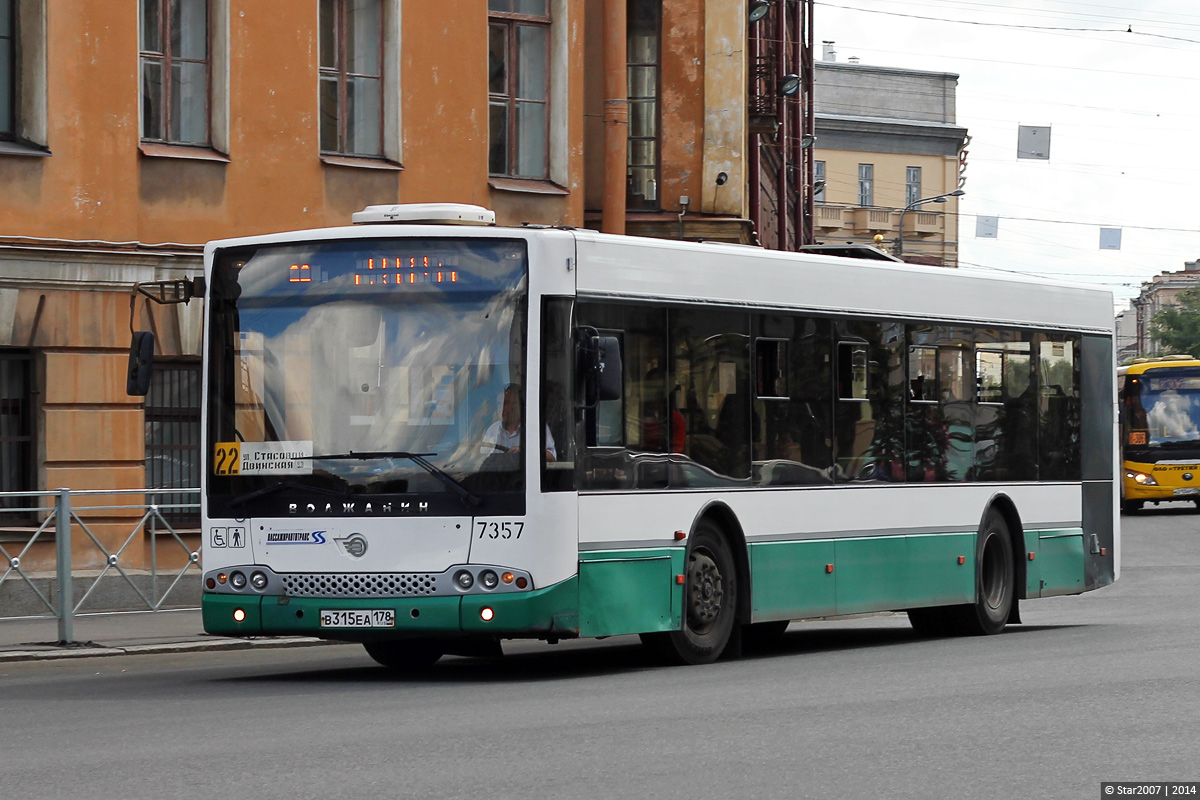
721, 439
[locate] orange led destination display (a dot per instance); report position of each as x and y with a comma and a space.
384, 271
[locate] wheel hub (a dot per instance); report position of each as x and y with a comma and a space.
706, 592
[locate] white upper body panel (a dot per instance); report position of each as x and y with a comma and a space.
617, 266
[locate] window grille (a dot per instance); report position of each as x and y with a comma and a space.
16, 428
173, 435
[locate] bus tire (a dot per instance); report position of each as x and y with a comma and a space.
709, 602
994, 582
928, 621
1131, 506
405, 655
760, 636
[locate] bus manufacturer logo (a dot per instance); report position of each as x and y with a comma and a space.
296, 537
354, 545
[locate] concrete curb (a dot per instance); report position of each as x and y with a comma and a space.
101, 651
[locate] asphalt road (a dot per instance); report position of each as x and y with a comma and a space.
1094, 688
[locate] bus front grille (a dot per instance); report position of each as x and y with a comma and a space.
360, 584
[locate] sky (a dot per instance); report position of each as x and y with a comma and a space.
1123, 110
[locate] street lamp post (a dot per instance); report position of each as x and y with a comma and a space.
941, 198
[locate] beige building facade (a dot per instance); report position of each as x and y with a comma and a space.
1158, 293
886, 140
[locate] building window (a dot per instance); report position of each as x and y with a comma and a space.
351, 77
912, 185
175, 71
519, 88
16, 427
173, 435
644, 18
23, 122
866, 184
819, 181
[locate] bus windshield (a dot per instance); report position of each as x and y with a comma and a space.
1166, 406
390, 358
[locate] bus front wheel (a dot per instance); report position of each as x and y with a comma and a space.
709, 602
994, 582
405, 655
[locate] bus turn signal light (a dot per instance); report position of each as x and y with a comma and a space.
1031, 556
680, 535
962, 560
829, 569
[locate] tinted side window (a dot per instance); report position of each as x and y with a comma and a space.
1058, 407
795, 407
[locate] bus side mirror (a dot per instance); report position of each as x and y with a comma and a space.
141, 364
609, 383
599, 360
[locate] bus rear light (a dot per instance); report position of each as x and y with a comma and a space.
962, 560
486, 614
680, 535
239, 615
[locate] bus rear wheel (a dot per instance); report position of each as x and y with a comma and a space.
994, 582
405, 655
1131, 506
709, 602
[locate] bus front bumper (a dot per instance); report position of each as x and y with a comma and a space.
1156, 483
549, 612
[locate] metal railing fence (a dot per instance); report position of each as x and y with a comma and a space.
62, 511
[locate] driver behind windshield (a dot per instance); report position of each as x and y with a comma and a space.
504, 435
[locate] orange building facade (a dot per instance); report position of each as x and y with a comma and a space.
131, 133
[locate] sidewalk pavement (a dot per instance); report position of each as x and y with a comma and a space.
124, 633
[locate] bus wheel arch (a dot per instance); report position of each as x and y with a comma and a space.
714, 593
1016, 531
995, 574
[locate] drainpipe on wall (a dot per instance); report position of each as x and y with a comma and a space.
616, 116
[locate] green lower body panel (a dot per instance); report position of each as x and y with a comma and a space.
1060, 560
630, 591
552, 611
935, 577
818, 578
872, 574
789, 580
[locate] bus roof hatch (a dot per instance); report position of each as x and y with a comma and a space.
426, 214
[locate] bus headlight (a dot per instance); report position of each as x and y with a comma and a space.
464, 579
1141, 478
237, 580
258, 580
489, 579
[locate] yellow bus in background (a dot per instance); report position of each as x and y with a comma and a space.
1160, 430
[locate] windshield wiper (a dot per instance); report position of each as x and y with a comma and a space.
466, 495
275, 487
